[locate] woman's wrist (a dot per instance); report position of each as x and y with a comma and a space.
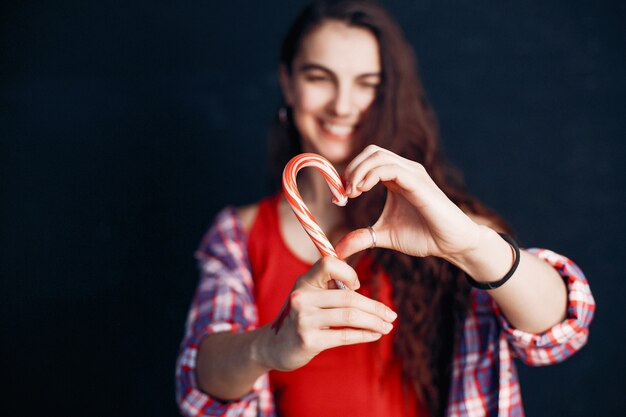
489, 260
260, 353
227, 365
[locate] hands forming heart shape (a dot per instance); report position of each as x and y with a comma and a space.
418, 219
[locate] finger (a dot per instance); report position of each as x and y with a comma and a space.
365, 153
354, 242
388, 172
362, 239
351, 299
351, 317
346, 336
327, 269
395, 166
354, 178
371, 151
413, 183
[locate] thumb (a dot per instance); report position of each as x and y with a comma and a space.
354, 242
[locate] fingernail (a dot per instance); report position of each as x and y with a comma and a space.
387, 326
348, 189
360, 184
391, 314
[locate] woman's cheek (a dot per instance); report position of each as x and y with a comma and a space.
365, 98
314, 97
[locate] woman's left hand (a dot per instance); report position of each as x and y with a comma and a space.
418, 218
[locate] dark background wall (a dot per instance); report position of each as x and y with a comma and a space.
125, 126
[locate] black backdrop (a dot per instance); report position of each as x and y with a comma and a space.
125, 126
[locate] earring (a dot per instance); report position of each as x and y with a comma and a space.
282, 116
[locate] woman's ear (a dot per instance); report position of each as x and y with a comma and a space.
284, 79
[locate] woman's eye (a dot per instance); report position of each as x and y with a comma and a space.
372, 85
317, 78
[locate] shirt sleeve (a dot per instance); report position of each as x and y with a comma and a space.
223, 303
566, 338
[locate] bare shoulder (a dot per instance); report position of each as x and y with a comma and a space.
247, 214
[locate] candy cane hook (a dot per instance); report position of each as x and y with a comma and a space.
290, 190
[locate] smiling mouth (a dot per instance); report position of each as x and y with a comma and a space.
337, 132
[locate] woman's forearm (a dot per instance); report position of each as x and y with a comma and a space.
228, 364
534, 299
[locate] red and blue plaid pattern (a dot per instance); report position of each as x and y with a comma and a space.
484, 377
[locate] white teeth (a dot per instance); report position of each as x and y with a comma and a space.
338, 130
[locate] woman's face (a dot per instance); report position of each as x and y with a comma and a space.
334, 80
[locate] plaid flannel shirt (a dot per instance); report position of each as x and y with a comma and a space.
484, 378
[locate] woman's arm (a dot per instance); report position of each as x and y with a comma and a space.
223, 304
420, 220
228, 364
534, 299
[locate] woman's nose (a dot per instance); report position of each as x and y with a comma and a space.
342, 105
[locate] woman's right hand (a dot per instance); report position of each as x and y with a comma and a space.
318, 318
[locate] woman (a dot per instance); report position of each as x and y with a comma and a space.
352, 95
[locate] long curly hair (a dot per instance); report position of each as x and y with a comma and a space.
430, 294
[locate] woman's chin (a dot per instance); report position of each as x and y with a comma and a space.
337, 158
335, 152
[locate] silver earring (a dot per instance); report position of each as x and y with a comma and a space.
282, 116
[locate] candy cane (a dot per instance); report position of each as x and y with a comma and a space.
290, 189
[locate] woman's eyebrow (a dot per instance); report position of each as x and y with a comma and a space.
310, 66
370, 74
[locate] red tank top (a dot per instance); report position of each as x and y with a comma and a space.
358, 380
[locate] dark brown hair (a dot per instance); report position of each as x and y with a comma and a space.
430, 294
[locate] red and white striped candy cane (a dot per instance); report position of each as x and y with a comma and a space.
290, 190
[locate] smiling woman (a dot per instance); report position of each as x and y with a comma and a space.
352, 95
330, 85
